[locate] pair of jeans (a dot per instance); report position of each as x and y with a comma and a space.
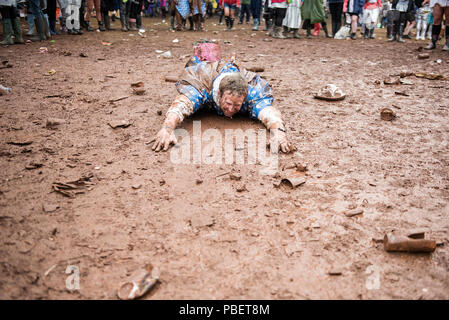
256, 7
244, 9
36, 9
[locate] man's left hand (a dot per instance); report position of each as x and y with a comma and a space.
280, 138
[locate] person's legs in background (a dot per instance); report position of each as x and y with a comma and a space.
35, 8
123, 13
51, 11
97, 5
139, 15
30, 22
336, 10
134, 7
446, 29
354, 20
7, 25
278, 17
256, 7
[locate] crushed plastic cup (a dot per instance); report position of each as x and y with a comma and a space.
43, 50
166, 55
175, 41
4, 90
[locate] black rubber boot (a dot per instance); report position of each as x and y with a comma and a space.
267, 25
191, 28
228, 22
286, 32
101, 26
172, 23
296, 34
308, 32
401, 31
139, 21
371, 33
394, 33
436, 29
231, 24
107, 21
326, 32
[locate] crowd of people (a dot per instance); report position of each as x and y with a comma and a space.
281, 17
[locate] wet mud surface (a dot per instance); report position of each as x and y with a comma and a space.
211, 238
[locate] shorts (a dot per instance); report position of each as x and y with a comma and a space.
353, 14
230, 6
410, 16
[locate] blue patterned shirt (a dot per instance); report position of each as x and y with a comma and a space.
259, 96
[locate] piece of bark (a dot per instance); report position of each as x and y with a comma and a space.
256, 69
53, 122
171, 79
20, 141
352, 213
119, 124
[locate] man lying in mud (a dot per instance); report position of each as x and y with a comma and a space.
226, 89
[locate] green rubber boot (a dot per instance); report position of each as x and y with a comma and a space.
17, 31
7, 33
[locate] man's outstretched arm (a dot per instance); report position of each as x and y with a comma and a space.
260, 104
272, 120
180, 108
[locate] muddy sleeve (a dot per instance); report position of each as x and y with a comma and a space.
260, 96
260, 100
187, 102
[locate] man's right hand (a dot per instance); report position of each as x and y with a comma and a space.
164, 138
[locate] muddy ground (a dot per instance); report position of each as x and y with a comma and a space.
260, 243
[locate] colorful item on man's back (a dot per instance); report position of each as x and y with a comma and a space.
207, 51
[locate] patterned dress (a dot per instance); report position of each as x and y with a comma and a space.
203, 9
292, 18
183, 8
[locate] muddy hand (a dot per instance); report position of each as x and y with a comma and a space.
163, 140
282, 142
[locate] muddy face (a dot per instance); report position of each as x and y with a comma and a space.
230, 104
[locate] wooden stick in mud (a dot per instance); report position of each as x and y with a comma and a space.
256, 69
171, 79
